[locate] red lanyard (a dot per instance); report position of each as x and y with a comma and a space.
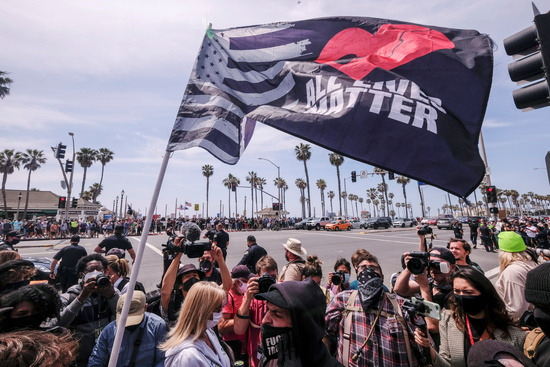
484, 336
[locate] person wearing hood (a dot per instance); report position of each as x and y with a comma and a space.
192, 341
537, 292
294, 326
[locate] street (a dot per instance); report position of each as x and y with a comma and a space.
387, 245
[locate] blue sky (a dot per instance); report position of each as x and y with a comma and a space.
114, 74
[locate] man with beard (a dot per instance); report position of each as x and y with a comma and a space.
293, 254
368, 323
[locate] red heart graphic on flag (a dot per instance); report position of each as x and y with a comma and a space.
356, 52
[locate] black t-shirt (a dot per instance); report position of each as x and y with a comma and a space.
70, 255
485, 231
221, 238
115, 241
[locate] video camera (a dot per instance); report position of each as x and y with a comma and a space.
421, 260
191, 233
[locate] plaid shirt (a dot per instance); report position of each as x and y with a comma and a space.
386, 346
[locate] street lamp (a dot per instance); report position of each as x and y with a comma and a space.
70, 184
18, 205
278, 181
121, 201
116, 208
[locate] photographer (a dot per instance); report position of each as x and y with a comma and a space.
428, 274
89, 305
339, 280
177, 281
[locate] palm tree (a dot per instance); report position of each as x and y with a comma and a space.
403, 181
228, 182
85, 157
104, 156
9, 161
344, 195
280, 183
260, 182
303, 153
398, 205
86, 195
322, 185
4, 84
361, 202
251, 178
369, 201
382, 173
330, 195
301, 184
236, 182
32, 159
207, 171
336, 160
95, 191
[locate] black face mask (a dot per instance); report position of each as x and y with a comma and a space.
15, 241
205, 265
26, 322
370, 287
15, 285
542, 317
472, 305
189, 283
275, 339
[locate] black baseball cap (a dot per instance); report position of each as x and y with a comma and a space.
444, 254
273, 296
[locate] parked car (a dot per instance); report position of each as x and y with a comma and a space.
317, 223
380, 222
355, 223
338, 225
302, 224
462, 219
444, 223
430, 221
404, 222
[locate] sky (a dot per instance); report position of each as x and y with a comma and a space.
114, 72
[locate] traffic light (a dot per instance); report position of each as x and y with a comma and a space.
492, 194
60, 151
233, 187
391, 175
68, 166
531, 46
61, 202
276, 206
74, 203
353, 176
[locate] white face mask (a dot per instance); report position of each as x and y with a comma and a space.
216, 316
242, 288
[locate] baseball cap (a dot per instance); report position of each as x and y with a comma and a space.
240, 271
444, 254
273, 296
137, 308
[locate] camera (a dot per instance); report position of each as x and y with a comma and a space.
441, 266
191, 233
338, 277
102, 281
542, 252
425, 230
419, 262
264, 282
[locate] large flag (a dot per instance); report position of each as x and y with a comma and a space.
405, 97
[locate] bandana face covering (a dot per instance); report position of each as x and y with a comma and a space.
205, 265
272, 340
370, 288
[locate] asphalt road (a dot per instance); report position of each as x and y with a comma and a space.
387, 245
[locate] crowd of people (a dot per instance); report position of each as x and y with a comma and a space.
438, 310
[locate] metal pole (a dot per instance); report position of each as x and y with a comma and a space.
18, 205
278, 180
121, 197
176, 210
70, 185
116, 209
345, 201
135, 271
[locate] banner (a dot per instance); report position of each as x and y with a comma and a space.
404, 97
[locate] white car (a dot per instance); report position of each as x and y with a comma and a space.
355, 223
403, 222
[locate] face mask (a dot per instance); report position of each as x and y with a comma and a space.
271, 340
15, 241
472, 305
242, 288
92, 275
15, 285
346, 278
25, 322
542, 318
205, 265
216, 316
370, 288
189, 283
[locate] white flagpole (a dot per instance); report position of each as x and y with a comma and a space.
135, 268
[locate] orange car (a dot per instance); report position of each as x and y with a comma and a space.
338, 225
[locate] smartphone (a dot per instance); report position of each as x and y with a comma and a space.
427, 308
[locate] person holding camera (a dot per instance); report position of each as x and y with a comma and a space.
428, 275
252, 311
339, 280
89, 305
177, 281
476, 313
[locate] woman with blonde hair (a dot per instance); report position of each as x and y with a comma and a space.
515, 262
118, 272
192, 342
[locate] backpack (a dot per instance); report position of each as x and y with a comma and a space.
153, 301
532, 341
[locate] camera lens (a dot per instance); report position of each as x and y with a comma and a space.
336, 278
102, 281
264, 282
416, 266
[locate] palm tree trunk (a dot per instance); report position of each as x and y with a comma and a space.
405, 195
101, 179
385, 194
339, 189
4, 179
236, 211
229, 202
207, 188
251, 200
27, 195
308, 191
83, 182
331, 210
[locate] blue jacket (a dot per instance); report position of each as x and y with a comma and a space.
148, 354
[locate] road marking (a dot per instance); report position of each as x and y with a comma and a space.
150, 246
492, 273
